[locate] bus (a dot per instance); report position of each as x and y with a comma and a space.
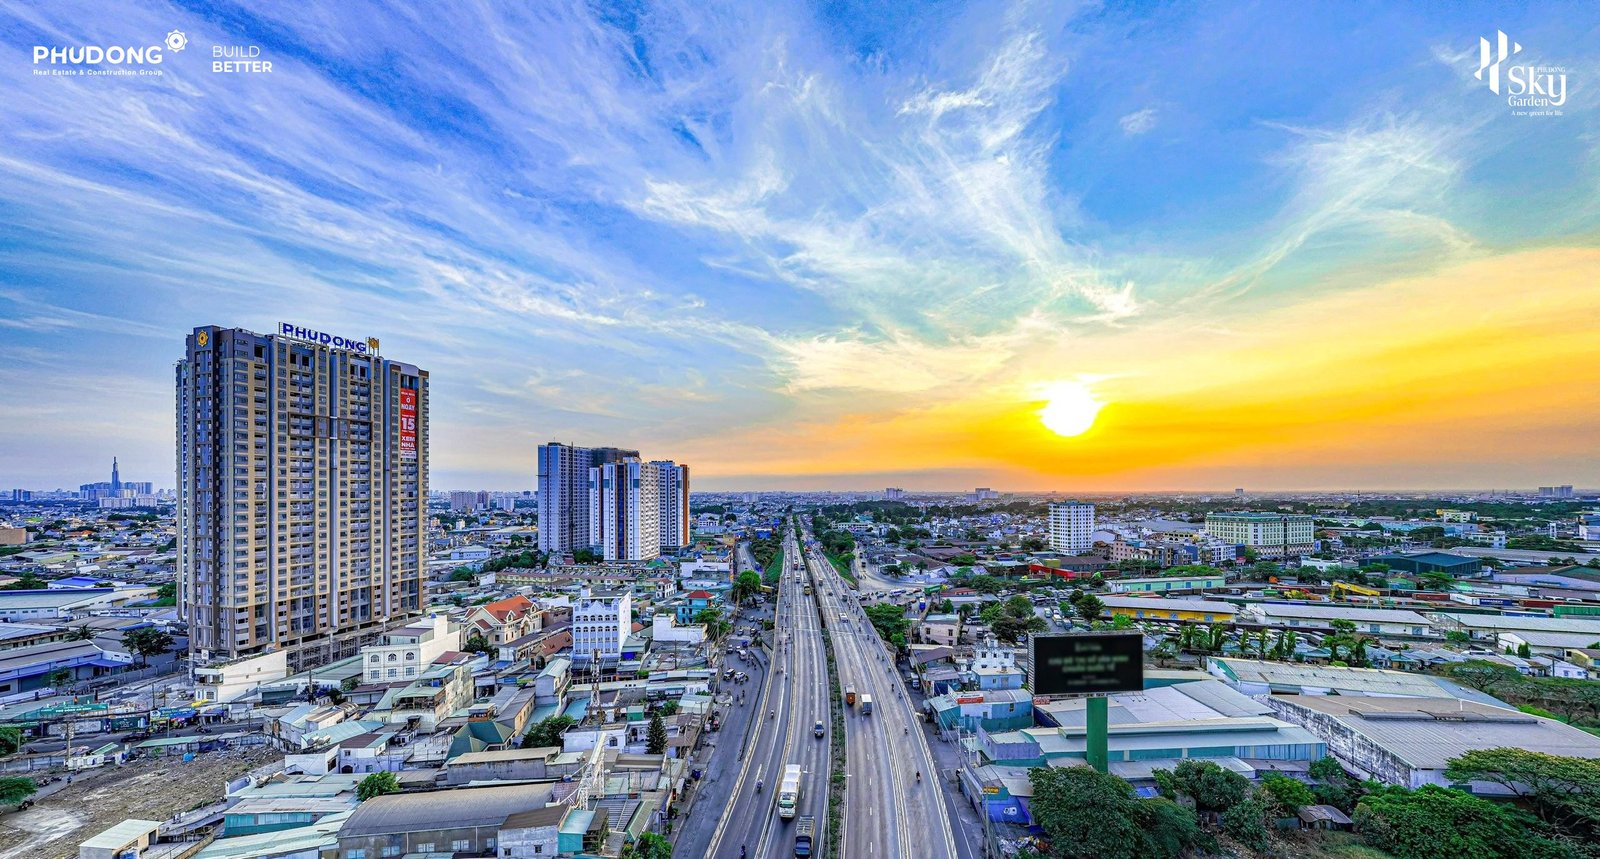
789, 791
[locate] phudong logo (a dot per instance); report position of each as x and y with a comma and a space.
1525, 85
79, 57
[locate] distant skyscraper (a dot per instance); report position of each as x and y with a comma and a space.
674, 500
1071, 527
302, 478
116, 479
625, 509
564, 515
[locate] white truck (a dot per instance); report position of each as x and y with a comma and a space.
789, 791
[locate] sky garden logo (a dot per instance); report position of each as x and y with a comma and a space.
1541, 88
107, 60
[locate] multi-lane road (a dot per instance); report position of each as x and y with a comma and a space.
894, 807
893, 801
794, 698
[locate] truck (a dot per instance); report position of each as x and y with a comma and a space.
850, 695
866, 705
789, 791
803, 830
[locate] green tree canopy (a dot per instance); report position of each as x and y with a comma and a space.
649, 846
656, 735
1563, 791
1434, 821
147, 641
377, 784
547, 731
1211, 787
1092, 815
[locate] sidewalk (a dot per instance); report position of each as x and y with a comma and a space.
965, 820
719, 759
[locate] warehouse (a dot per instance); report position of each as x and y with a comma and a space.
1373, 621
1459, 566
1410, 741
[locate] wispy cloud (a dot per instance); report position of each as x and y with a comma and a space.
648, 224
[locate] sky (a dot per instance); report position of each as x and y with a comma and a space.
829, 245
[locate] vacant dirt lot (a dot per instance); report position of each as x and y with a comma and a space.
152, 789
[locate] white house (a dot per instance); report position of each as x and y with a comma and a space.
601, 623
232, 680
405, 653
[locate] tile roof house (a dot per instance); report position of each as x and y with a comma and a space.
504, 620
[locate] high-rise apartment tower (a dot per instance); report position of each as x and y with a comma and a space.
302, 486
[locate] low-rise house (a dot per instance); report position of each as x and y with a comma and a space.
223, 682
505, 620
404, 653
512, 764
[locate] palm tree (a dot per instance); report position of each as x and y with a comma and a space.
1215, 638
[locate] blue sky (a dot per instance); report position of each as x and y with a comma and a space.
730, 233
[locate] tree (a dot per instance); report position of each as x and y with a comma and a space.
10, 740
377, 784
745, 587
1090, 607
82, 632
889, 620
58, 678
1484, 676
1563, 791
462, 574
547, 732
1283, 648
716, 625
655, 741
587, 556
476, 643
1284, 794
1091, 814
1245, 822
1434, 821
15, 789
649, 846
1211, 787
1333, 786
146, 641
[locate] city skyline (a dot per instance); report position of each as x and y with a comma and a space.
842, 249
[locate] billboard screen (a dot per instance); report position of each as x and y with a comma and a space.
408, 423
1088, 663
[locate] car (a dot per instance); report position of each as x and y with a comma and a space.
817, 729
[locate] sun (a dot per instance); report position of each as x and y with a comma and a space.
1069, 409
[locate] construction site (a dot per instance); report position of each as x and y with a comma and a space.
172, 790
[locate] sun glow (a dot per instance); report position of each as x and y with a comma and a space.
1069, 409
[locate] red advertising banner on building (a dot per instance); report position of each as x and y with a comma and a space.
408, 423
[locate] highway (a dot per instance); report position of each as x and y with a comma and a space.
797, 698
888, 811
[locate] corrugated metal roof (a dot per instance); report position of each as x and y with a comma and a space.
439, 809
1427, 733
1330, 612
